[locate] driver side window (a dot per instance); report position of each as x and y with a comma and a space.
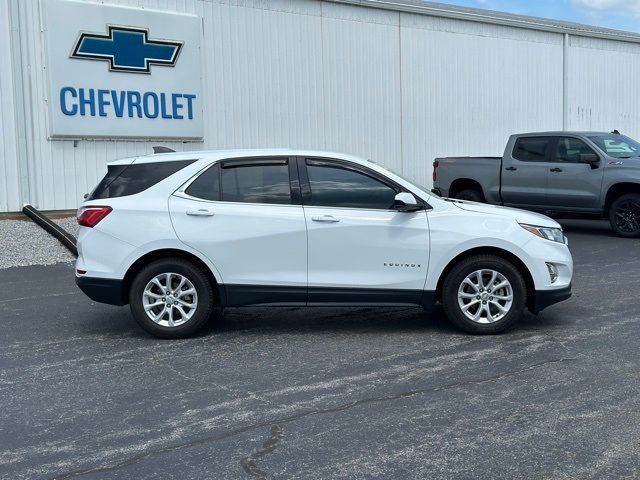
334, 186
568, 150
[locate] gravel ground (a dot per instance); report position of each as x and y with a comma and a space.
23, 243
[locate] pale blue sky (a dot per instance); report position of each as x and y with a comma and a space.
619, 14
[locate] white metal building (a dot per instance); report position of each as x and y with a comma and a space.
396, 81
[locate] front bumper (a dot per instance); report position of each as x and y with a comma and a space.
546, 298
103, 290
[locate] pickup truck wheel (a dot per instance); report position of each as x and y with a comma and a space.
484, 294
171, 298
470, 194
624, 215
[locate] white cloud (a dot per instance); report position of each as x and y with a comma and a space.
624, 7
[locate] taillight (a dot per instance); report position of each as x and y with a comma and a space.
435, 166
91, 215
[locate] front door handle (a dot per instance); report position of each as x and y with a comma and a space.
511, 169
325, 219
555, 169
200, 213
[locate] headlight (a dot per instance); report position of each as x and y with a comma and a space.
548, 233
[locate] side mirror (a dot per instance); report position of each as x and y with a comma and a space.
405, 202
590, 158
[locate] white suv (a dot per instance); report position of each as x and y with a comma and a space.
176, 235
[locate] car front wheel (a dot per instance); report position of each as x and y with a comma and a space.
624, 215
484, 294
171, 298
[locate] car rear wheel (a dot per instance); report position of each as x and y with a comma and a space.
624, 215
470, 195
484, 294
171, 298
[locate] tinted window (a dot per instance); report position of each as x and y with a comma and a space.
339, 187
570, 149
122, 180
260, 183
207, 185
531, 149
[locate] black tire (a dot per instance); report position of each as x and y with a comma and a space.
199, 280
457, 275
471, 195
624, 215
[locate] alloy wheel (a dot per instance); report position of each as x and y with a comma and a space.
170, 299
627, 216
485, 296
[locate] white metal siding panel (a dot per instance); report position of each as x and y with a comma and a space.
361, 59
603, 91
464, 94
263, 77
9, 174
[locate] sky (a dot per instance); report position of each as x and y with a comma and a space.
618, 14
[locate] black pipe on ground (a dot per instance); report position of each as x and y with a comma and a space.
64, 237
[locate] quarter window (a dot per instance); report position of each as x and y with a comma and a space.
207, 185
258, 183
531, 149
334, 186
569, 150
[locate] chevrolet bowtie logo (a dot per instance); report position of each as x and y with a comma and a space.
127, 49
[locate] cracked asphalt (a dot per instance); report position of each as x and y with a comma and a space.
327, 393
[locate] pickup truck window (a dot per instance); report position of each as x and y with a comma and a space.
617, 146
531, 149
569, 150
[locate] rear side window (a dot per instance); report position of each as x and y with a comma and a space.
256, 182
122, 180
207, 185
531, 149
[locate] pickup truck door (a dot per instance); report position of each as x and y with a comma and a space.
573, 185
524, 173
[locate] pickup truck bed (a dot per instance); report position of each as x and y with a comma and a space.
478, 170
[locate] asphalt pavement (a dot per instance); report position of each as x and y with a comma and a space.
325, 393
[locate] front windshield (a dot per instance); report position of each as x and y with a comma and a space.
617, 146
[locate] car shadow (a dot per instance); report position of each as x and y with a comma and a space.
259, 320
117, 322
588, 227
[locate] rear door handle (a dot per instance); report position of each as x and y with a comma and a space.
200, 213
511, 169
555, 169
325, 219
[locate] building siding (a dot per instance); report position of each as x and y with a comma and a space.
398, 88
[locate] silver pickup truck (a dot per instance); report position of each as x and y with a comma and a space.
591, 173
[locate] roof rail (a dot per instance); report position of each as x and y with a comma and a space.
160, 149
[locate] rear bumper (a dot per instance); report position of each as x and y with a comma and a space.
103, 290
546, 298
437, 191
